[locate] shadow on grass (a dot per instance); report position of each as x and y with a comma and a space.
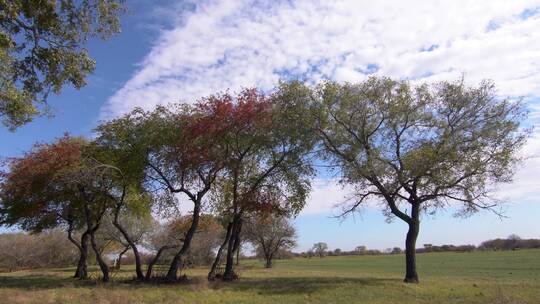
33, 281
262, 286
298, 285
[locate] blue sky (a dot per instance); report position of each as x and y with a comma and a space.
178, 51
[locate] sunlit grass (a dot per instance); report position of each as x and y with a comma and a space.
480, 277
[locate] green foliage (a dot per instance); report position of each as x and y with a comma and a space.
428, 145
42, 49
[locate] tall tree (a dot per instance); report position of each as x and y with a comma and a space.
177, 150
270, 234
42, 49
419, 149
267, 163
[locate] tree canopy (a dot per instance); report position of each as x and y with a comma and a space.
42, 49
420, 148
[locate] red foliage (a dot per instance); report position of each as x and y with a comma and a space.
31, 178
215, 119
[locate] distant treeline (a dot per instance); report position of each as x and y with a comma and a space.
513, 242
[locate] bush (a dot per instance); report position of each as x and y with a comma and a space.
47, 249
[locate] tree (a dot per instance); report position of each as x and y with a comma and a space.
135, 224
175, 150
60, 185
419, 149
396, 250
270, 234
42, 49
161, 239
360, 249
267, 163
320, 249
35, 194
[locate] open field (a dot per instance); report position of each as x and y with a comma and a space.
479, 277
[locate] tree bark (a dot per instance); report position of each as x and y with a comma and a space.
138, 265
411, 276
81, 272
155, 260
234, 242
212, 273
268, 263
238, 255
177, 260
119, 263
102, 265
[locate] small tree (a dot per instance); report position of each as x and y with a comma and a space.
269, 234
360, 249
60, 184
419, 149
320, 249
36, 193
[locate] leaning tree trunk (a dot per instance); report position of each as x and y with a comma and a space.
127, 237
155, 260
119, 262
82, 269
102, 265
234, 242
411, 276
213, 269
177, 260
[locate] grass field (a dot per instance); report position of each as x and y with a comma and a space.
479, 277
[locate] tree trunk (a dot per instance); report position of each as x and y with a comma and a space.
119, 262
212, 273
268, 263
234, 242
102, 265
411, 276
82, 269
81, 272
238, 255
177, 260
155, 260
136, 255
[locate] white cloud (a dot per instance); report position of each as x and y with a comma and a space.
231, 44
326, 194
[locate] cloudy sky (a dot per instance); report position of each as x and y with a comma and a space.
180, 51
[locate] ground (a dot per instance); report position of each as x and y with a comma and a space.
509, 277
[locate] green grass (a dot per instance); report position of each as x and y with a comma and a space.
479, 277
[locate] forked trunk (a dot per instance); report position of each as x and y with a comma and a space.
156, 259
177, 260
102, 265
81, 272
127, 237
213, 269
234, 243
120, 256
82, 269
